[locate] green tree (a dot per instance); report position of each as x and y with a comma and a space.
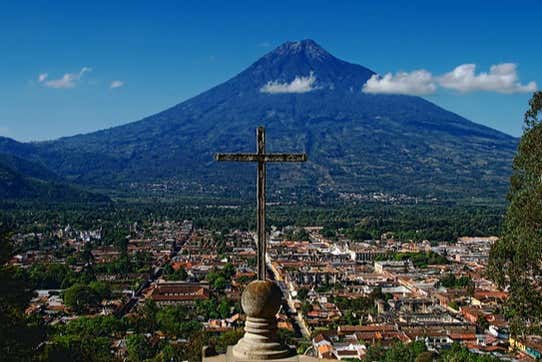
228, 338
148, 313
169, 317
77, 348
302, 293
103, 290
170, 353
182, 274
224, 308
228, 271
90, 327
86, 253
482, 324
451, 281
425, 357
286, 336
81, 297
220, 283
306, 307
358, 234
375, 353
405, 352
168, 269
175, 320
192, 350
329, 232
172, 274
299, 234
515, 258
139, 349
461, 354
218, 279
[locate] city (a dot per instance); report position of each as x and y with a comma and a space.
340, 297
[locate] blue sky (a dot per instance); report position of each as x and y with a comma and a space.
164, 52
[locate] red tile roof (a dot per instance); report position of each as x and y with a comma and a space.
179, 292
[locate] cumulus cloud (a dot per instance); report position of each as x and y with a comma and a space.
418, 82
300, 84
502, 78
68, 80
116, 84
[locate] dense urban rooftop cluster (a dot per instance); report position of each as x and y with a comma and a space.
353, 295
171, 282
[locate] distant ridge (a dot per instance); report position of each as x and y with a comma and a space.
25, 180
310, 101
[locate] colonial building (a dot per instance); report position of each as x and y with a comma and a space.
171, 293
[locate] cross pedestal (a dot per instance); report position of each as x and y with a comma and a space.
261, 301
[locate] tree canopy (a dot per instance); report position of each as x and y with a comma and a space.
515, 260
18, 334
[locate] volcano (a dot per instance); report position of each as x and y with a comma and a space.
358, 144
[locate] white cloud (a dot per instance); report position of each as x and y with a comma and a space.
502, 78
300, 84
116, 84
418, 82
68, 80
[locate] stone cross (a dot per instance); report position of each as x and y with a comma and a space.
261, 158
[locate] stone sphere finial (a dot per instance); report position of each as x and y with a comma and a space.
261, 302
261, 299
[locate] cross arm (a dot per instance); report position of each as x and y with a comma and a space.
285, 157
254, 157
239, 157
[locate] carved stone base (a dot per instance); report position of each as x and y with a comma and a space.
260, 341
228, 357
